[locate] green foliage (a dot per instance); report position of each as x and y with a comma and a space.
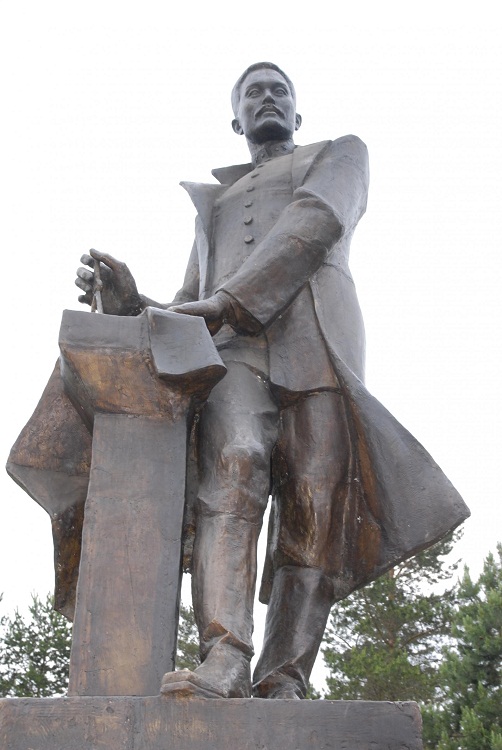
187, 654
470, 713
313, 694
35, 653
384, 641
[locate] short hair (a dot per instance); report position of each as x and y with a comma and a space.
236, 91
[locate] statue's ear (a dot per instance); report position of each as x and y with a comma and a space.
236, 127
298, 121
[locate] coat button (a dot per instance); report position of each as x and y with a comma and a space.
248, 219
248, 204
255, 174
250, 189
248, 239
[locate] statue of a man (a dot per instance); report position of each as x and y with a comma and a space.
353, 492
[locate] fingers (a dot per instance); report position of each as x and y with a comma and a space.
207, 309
84, 280
108, 260
186, 309
198, 309
87, 260
85, 274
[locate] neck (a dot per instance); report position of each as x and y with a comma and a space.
261, 152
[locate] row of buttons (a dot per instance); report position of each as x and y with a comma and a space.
249, 219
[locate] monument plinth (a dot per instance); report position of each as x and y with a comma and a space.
156, 723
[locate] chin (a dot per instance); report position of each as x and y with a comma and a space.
271, 131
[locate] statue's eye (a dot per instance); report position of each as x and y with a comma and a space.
252, 92
281, 91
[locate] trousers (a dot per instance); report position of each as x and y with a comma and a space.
251, 446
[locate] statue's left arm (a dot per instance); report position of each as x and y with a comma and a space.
324, 208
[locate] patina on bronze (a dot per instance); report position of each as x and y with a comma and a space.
134, 383
353, 492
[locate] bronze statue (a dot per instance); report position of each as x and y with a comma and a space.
353, 492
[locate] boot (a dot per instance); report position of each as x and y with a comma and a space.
297, 613
223, 583
225, 673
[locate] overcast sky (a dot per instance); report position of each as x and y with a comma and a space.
107, 106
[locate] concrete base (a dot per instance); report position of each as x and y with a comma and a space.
154, 723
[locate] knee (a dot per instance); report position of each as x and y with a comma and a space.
243, 461
238, 483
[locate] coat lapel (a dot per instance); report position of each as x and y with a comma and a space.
204, 196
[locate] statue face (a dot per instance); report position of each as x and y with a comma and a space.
266, 108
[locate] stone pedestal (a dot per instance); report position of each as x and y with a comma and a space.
234, 724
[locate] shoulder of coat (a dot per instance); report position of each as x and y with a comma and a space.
350, 143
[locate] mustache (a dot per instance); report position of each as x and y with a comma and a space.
268, 108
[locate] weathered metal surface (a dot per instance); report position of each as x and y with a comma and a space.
247, 724
139, 395
51, 460
126, 616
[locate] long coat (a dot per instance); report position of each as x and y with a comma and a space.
398, 500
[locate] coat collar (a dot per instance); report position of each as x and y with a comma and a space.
229, 175
303, 157
204, 195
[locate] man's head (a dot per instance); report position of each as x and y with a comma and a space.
264, 104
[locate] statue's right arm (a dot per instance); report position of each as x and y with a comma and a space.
119, 292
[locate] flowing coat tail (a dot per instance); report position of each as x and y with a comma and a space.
398, 501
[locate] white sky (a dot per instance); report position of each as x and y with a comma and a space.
107, 105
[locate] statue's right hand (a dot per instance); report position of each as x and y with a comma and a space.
119, 293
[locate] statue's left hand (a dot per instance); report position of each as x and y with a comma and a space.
215, 310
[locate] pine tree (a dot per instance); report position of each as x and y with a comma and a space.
35, 653
187, 653
384, 641
469, 715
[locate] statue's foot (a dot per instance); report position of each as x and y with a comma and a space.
286, 692
225, 673
278, 686
187, 684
